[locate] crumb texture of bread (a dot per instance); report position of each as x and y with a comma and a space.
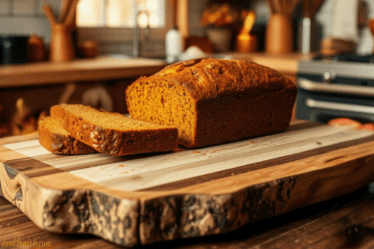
114, 133
214, 101
56, 139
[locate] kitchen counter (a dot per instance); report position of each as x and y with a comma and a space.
110, 68
101, 68
52, 82
286, 63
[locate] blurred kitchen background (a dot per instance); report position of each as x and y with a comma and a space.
89, 51
26, 17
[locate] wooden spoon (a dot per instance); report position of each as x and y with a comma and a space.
277, 6
291, 5
271, 5
48, 12
71, 14
317, 5
66, 4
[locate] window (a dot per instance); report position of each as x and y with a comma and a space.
120, 13
111, 23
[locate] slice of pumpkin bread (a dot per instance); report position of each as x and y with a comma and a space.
114, 133
53, 137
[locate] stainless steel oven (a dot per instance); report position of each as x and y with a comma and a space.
339, 86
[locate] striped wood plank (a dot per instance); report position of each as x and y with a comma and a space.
143, 199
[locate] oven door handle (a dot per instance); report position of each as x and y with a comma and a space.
339, 106
335, 88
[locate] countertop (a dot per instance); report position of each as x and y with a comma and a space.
100, 68
286, 64
111, 68
344, 222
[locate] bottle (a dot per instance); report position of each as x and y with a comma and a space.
173, 45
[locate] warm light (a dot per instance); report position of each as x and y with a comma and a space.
249, 21
113, 13
89, 13
152, 5
120, 13
153, 21
143, 20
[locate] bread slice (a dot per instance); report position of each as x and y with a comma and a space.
56, 139
114, 133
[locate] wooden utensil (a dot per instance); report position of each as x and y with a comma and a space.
71, 14
317, 5
48, 12
311, 7
62, 45
66, 4
271, 6
283, 7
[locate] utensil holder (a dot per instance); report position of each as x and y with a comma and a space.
62, 47
279, 34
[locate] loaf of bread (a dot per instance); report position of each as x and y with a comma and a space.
213, 101
114, 133
57, 140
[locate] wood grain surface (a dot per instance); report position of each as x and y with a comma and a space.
144, 199
101, 68
343, 222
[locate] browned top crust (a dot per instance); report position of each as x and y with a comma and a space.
211, 78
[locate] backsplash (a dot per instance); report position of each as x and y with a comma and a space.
26, 17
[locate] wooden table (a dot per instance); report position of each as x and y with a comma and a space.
344, 222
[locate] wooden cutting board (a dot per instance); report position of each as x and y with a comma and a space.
144, 199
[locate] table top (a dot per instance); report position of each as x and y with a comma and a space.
343, 222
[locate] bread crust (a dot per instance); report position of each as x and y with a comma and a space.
116, 142
211, 78
230, 100
60, 143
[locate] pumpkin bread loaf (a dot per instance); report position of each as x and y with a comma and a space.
56, 139
213, 101
114, 133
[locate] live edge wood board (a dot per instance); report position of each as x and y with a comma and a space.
144, 199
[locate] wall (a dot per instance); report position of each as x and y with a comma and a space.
325, 17
196, 9
26, 17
